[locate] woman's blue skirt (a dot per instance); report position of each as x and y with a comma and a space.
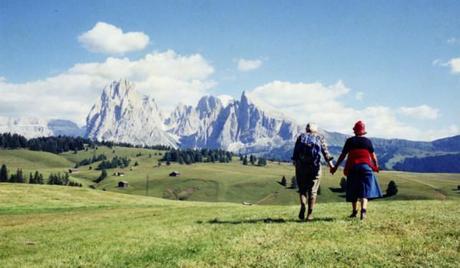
362, 183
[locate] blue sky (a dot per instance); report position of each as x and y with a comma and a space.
397, 55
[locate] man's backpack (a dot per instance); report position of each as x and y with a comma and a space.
309, 150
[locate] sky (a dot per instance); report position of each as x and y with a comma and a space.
393, 64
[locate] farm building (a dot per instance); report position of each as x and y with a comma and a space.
73, 170
174, 174
122, 184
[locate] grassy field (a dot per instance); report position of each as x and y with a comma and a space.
57, 226
213, 182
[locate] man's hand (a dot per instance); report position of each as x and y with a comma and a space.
333, 170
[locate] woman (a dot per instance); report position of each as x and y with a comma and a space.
362, 161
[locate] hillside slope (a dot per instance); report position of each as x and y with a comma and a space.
43, 226
212, 182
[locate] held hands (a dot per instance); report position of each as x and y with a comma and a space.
333, 169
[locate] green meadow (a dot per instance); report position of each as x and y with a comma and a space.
198, 219
58, 226
216, 182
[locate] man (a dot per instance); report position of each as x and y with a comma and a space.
307, 160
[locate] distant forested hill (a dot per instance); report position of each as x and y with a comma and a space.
443, 163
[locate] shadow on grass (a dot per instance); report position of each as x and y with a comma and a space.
336, 190
265, 220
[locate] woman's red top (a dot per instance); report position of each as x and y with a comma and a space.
359, 150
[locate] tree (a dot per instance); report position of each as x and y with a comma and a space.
102, 176
18, 177
31, 178
136, 164
392, 188
293, 182
343, 184
262, 162
283, 181
245, 160
4, 173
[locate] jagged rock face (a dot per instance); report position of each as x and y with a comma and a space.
238, 125
122, 115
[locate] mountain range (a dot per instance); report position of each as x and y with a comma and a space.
122, 114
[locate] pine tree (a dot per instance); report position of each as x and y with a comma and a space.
40, 179
3, 173
262, 162
19, 178
245, 160
102, 176
293, 183
31, 178
392, 188
283, 181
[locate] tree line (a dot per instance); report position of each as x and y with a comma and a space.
61, 144
190, 156
36, 178
253, 160
51, 144
117, 161
91, 160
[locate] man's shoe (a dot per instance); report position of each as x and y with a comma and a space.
302, 213
310, 217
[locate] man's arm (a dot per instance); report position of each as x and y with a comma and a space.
295, 153
324, 150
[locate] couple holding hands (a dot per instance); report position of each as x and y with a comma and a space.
359, 169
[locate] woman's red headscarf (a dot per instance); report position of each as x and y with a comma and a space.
360, 128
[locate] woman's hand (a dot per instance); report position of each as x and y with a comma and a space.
333, 170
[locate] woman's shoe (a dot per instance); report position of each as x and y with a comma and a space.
363, 214
354, 214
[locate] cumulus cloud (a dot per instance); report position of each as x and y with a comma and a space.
323, 104
420, 112
167, 76
245, 65
454, 65
109, 39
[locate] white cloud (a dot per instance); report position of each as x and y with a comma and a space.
359, 95
420, 112
245, 65
454, 65
109, 39
168, 77
323, 104
226, 99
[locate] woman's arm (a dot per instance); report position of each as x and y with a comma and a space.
339, 161
374, 160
